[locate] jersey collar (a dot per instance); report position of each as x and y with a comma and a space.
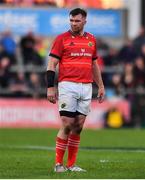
84, 34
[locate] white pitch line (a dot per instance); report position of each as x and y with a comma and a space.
31, 147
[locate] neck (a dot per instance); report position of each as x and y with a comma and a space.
80, 33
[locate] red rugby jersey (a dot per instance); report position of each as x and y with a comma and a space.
76, 54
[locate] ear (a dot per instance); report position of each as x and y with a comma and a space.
85, 22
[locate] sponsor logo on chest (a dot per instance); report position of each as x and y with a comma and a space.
82, 52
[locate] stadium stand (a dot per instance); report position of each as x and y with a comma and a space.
121, 68
23, 64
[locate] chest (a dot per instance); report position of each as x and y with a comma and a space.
81, 47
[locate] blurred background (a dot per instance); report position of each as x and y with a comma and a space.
27, 30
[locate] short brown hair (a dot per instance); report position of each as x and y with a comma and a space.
77, 11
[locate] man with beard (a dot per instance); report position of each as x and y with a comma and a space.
75, 52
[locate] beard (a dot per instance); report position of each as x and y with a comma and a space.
76, 30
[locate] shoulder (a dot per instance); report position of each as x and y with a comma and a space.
63, 35
91, 36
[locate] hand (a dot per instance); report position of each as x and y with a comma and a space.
101, 94
51, 95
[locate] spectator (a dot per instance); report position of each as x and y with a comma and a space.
110, 60
41, 46
35, 85
138, 104
29, 54
139, 40
18, 85
129, 86
117, 85
128, 77
143, 52
127, 52
103, 48
4, 72
8, 43
2, 1
5, 54
22, 3
139, 72
138, 108
27, 44
128, 82
114, 118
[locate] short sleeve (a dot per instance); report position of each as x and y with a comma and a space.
95, 56
57, 48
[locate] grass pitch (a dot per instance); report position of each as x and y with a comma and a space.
105, 154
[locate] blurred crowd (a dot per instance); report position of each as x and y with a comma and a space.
101, 4
29, 2
23, 64
124, 75
124, 68
23, 61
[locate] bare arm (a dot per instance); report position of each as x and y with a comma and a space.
51, 91
98, 80
52, 63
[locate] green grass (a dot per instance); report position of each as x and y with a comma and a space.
113, 154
